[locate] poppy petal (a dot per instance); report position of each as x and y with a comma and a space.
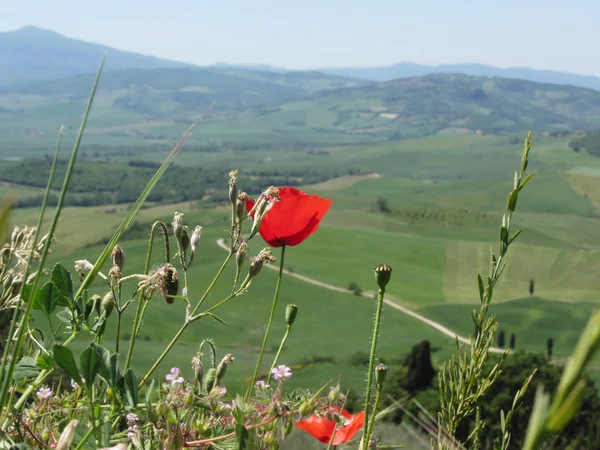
318, 427
346, 433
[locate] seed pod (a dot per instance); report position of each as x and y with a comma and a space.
240, 207
168, 283
153, 416
334, 394
383, 273
162, 409
189, 398
118, 257
305, 409
195, 239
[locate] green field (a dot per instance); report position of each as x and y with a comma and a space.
445, 197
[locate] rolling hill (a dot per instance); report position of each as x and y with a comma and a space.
285, 109
32, 54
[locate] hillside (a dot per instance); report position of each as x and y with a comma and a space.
445, 103
285, 110
406, 69
32, 54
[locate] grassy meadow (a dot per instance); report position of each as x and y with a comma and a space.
444, 198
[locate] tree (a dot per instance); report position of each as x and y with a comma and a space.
512, 341
549, 345
531, 287
382, 205
420, 369
501, 339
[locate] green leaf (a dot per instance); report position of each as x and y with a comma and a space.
217, 318
149, 390
28, 297
63, 283
65, 316
48, 298
65, 360
80, 432
526, 180
241, 435
104, 369
26, 368
131, 391
481, 288
44, 361
90, 362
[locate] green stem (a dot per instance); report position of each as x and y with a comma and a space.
164, 354
375, 408
264, 343
285, 336
366, 435
119, 314
214, 281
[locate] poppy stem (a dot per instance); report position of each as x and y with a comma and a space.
264, 343
366, 437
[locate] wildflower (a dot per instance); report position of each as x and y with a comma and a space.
132, 418
322, 428
133, 431
222, 390
175, 377
291, 220
44, 393
83, 267
260, 384
74, 384
281, 372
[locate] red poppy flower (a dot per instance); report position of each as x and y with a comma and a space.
292, 219
322, 429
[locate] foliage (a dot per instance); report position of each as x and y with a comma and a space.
590, 142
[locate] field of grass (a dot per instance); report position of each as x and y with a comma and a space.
445, 197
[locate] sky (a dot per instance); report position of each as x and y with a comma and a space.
308, 34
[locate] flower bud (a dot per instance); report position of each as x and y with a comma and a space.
67, 436
107, 304
222, 367
255, 267
233, 187
174, 441
185, 239
198, 370
291, 311
118, 257
178, 225
46, 435
383, 273
188, 399
153, 416
210, 378
162, 409
240, 207
195, 239
240, 255
380, 373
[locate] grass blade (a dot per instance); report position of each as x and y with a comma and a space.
25, 319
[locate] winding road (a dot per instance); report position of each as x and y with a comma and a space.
370, 294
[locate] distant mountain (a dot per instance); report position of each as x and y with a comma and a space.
405, 70
33, 54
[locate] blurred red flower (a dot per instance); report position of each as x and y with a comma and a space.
322, 429
292, 219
